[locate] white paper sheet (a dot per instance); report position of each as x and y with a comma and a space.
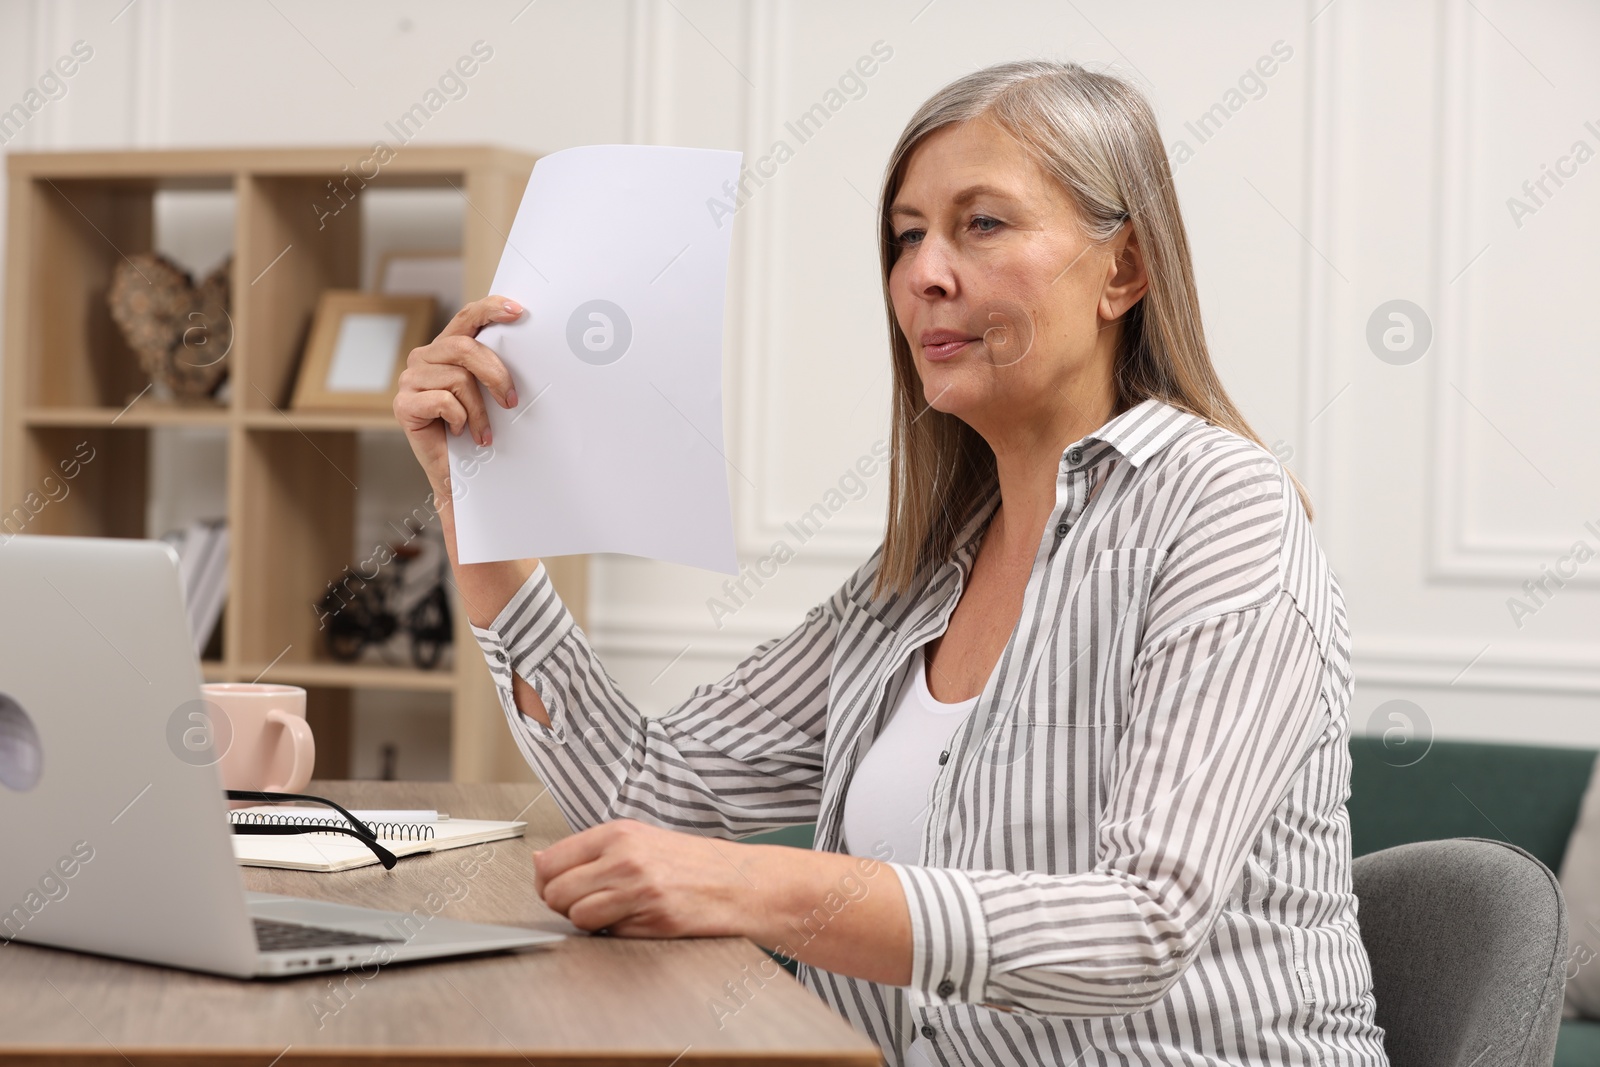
620, 255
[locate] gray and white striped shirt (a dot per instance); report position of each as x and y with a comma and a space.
1138, 848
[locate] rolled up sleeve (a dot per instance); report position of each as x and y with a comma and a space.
527, 631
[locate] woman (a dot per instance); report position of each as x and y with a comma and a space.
1074, 737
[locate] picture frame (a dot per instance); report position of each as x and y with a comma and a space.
357, 348
436, 272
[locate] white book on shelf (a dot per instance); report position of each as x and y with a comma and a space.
202, 548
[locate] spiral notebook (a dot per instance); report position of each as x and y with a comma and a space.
341, 852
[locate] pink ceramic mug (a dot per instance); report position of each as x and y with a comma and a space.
270, 746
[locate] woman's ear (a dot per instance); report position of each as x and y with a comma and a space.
1128, 279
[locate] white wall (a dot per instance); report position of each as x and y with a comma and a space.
1374, 164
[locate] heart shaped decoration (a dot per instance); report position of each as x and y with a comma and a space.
181, 332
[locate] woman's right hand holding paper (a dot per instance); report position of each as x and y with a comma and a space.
439, 388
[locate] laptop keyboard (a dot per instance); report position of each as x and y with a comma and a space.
274, 936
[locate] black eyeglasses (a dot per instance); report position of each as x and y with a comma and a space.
357, 829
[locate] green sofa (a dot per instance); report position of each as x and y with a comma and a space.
1526, 794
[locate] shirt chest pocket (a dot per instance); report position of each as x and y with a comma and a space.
1083, 681
1067, 714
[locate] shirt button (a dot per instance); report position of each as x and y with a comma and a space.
500, 657
1062, 528
944, 757
929, 1032
1074, 455
946, 988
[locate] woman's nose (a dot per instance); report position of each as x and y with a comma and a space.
932, 269
933, 266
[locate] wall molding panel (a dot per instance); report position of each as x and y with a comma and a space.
1459, 553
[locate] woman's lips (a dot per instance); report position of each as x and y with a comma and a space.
946, 350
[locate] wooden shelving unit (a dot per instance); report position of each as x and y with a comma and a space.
292, 477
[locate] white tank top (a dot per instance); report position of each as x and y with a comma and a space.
887, 798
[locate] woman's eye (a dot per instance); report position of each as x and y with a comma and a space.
983, 223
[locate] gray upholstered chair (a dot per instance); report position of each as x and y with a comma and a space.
1468, 942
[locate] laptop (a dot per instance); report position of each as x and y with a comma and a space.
115, 837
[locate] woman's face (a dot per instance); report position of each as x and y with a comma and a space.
1009, 311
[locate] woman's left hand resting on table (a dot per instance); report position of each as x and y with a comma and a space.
842, 913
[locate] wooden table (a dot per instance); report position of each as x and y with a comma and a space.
583, 1000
